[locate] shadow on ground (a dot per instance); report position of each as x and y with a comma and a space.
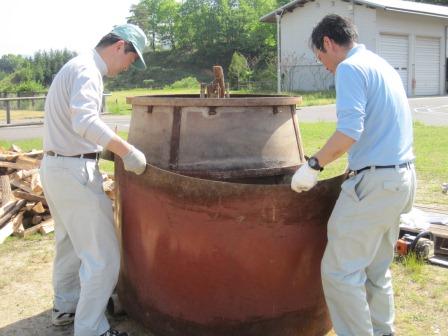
40, 325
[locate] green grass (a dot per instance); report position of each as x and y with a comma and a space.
116, 103
430, 144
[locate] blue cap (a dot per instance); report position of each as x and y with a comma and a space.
134, 35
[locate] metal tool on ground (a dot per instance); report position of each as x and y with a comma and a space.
422, 247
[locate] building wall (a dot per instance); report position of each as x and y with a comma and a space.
301, 70
414, 26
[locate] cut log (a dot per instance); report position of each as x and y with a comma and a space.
5, 188
15, 148
7, 216
39, 208
29, 197
17, 221
21, 184
12, 156
47, 227
36, 185
37, 219
19, 166
21, 174
7, 207
6, 231
35, 228
27, 160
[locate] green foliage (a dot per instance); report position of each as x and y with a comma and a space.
157, 18
185, 83
239, 69
33, 74
29, 86
148, 83
188, 39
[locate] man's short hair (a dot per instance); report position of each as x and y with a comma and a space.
335, 27
111, 38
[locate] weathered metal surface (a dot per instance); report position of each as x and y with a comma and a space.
203, 257
218, 138
209, 258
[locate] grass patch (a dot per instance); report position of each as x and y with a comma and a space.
25, 145
430, 144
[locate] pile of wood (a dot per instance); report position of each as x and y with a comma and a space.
23, 208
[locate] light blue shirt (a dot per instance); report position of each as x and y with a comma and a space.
372, 108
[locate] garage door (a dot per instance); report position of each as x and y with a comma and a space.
395, 49
427, 66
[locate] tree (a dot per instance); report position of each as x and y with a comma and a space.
238, 68
157, 19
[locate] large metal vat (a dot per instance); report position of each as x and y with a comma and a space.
235, 252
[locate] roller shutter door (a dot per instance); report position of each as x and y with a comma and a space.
395, 49
427, 66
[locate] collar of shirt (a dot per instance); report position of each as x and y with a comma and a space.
355, 49
101, 65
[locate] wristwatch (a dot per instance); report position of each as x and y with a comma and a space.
313, 162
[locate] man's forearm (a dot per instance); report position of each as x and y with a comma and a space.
336, 146
118, 146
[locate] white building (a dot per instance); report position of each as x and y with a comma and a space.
410, 36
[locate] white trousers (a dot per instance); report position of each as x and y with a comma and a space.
362, 232
87, 259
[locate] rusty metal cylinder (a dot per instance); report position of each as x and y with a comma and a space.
213, 240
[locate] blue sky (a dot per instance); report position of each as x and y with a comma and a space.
27, 26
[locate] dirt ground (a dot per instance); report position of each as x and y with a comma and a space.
26, 295
26, 292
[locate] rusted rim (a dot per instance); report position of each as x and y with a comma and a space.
187, 100
237, 173
194, 185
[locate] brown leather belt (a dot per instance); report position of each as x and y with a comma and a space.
92, 156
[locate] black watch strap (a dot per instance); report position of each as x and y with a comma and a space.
313, 162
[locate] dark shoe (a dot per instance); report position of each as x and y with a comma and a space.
61, 319
113, 332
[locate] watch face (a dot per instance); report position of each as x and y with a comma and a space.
313, 163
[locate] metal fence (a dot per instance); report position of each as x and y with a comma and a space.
10, 106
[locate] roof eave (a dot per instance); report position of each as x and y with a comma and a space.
289, 7
400, 10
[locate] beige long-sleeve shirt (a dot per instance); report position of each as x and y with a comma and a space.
72, 124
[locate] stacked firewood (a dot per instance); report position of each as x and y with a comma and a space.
23, 208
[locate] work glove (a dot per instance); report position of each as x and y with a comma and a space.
304, 178
134, 161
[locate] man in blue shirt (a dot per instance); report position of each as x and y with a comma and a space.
375, 127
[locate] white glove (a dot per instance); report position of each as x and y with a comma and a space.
134, 161
304, 178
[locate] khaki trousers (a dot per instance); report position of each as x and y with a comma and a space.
362, 232
87, 260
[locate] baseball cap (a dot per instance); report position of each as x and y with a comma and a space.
134, 35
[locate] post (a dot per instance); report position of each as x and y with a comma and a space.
8, 112
278, 16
